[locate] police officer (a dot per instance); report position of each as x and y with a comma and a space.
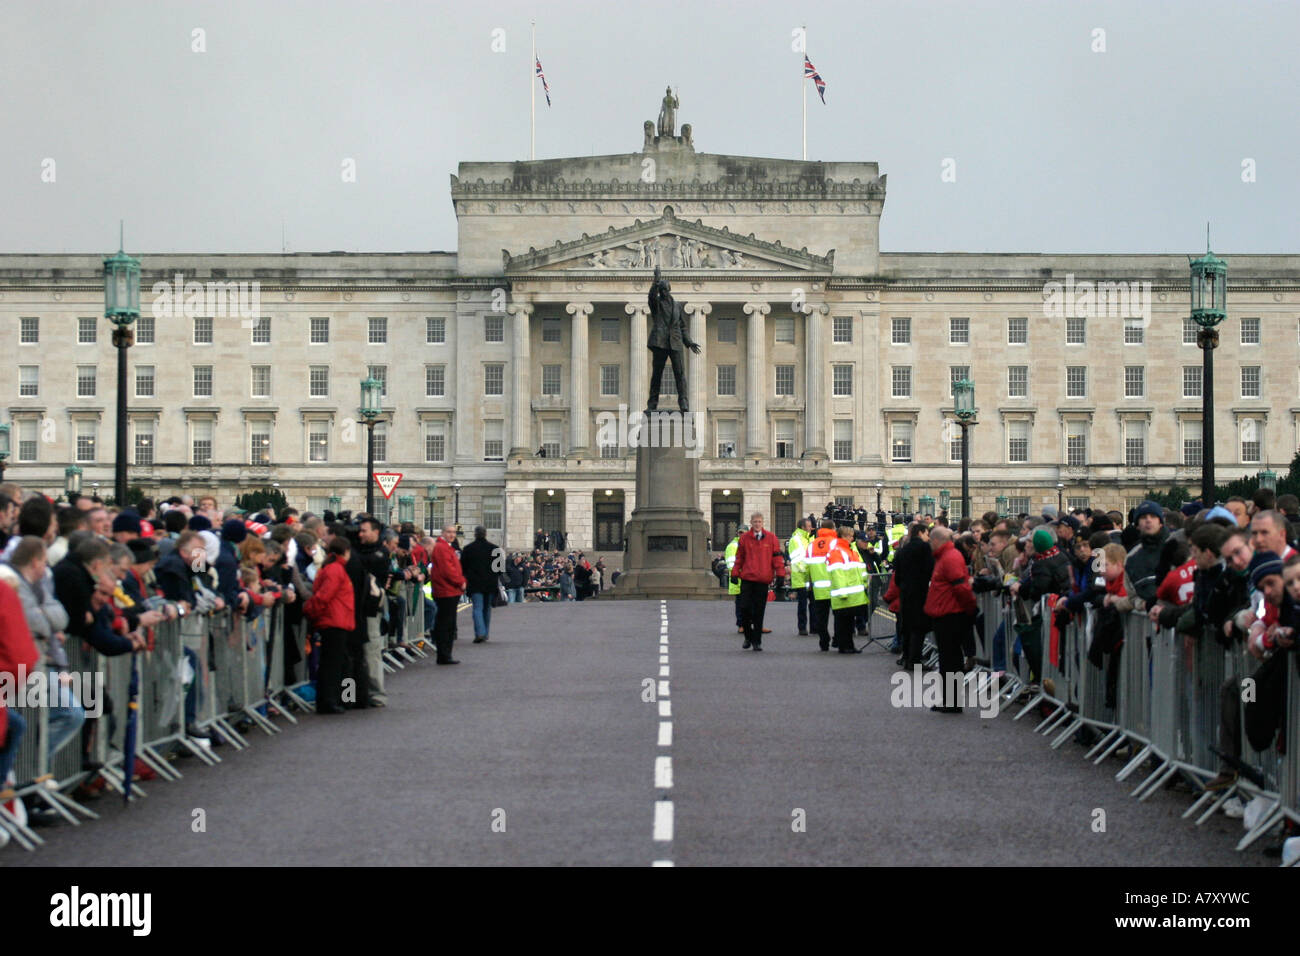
733, 587
797, 548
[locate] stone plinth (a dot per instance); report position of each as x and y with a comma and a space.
667, 536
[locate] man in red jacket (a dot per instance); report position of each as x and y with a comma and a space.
18, 657
949, 604
447, 582
758, 560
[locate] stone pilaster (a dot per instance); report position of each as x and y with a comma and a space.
579, 376
814, 378
637, 354
755, 376
697, 365
521, 428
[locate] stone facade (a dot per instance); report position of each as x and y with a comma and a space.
821, 355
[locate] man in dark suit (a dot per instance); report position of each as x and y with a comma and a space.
913, 568
478, 561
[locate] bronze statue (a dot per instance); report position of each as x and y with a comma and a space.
668, 114
668, 340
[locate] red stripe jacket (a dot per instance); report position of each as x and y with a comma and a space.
758, 560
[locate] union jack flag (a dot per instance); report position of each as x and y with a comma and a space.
545, 88
809, 71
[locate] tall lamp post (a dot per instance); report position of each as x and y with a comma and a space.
1060, 492
1267, 479
1000, 503
963, 398
456, 487
371, 397
880, 511
71, 481
4, 449
1209, 308
122, 308
907, 499
925, 505
945, 500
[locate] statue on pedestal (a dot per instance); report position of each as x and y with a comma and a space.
668, 114
668, 340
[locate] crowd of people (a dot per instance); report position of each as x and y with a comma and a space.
101, 579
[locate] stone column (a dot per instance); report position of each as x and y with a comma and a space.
755, 372
521, 429
579, 509
579, 376
637, 355
814, 379
697, 366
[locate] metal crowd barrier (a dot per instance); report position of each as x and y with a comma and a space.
239, 678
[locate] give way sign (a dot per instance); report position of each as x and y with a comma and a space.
387, 481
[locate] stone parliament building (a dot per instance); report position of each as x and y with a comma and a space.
826, 364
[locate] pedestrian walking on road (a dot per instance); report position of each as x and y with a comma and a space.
758, 561
477, 561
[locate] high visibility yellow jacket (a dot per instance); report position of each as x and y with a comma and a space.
733, 587
896, 534
848, 589
797, 548
815, 563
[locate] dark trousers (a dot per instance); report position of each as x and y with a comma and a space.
844, 628
355, 670
860, 616
740, 613
912, 626
801, 611
948, 631
821, 616
444, 626
753, 601
659, 357
329, 672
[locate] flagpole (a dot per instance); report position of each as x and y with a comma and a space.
532, 98
803, 90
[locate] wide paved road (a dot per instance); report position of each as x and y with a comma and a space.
539, 749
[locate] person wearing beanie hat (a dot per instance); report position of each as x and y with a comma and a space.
1220, 513
1043, 540
1144, 559
1264, 564
1050, 512
1048, 573
200, 523
233, 530
126, 526
143, 550
1148, 508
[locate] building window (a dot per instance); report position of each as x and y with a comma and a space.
1192, 381
145, 385
959, 331
380, 433
86, 441
380, 374
1017, 381
551, 331
435, 441
29, 380
726, 429
261, 381
1017, 442
900, 442
842, 380
608, 449
1018, 505
377, 331
1193, 444
1134, 332
320, 331
202, 441
1135, 444
785, 380
1250, 331
494, 440
727, 330
320, 381
318, 442
1076, 381
1077, 504
493, 512
954, 442
1017, 331
957, 373
203, 381
1189, 332
609, 380
494, 377
435, 331
783, 329
609, 330
553, 431
1076, 332
1250, 440
144, 442
1135, 381
842, 443
145, 327
900, 381
726, 379
87, 331
842, 329
900, 332
1250, 381
203, 331
550, 380
29, 331
27, 439
262, 331
783, 432
1076, 447
494, 328
435, 381
259, 444
86, 379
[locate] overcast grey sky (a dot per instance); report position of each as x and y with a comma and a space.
1057, 148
